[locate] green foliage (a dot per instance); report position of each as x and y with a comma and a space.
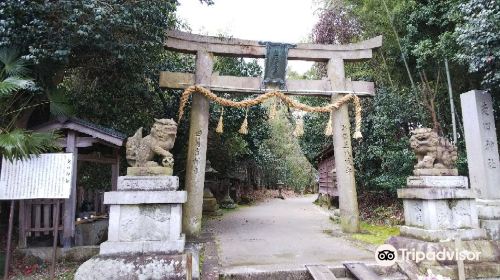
282, 157
383, 159
479, 36
20, 144
17, 143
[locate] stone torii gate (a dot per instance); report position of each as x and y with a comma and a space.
334, 86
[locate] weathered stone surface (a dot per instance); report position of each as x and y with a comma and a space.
435, 172
488, 209
440, 214
485, 267
148, 183
145, 221
489, 249
141, 151
482, 156
145, 197
348, 202
435, 193
93, 233
143, 247
433, 153
171, 267
438, 208
197, 147
492, 228
481, 143
150, 171
438, 235
437, 182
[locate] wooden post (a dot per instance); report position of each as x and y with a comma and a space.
55, 225
115, 172
348, 203
9, 240
197, 148
22, 243
70, 204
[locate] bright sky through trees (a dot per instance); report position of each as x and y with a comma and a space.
267, 20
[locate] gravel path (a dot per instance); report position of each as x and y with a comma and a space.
291, 231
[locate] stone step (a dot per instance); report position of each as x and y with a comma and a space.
300, 272
320, 272
361, 271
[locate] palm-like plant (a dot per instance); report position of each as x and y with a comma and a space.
17, 143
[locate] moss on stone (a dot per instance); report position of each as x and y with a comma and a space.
375, 234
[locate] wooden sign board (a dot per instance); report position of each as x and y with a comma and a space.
43, 176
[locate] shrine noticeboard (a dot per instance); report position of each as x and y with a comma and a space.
42, 176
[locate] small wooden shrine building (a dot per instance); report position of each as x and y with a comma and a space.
88, 142
327, 174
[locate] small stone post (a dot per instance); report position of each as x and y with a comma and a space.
482, 157
348, 201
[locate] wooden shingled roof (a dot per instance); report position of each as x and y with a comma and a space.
102, 133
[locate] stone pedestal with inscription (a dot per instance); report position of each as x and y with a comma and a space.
439, 208
144, 237
482, 157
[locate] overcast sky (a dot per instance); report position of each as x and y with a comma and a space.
287, 21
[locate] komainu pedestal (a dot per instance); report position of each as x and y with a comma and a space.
144, 236
441, 215
145, 218
439, 208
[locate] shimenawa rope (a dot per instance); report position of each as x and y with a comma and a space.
277, 94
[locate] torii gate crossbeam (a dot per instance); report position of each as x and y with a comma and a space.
205, 47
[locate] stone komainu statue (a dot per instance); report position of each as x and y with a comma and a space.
433, 151
141, 151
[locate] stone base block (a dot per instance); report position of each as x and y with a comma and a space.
435, 172
439, 235
150, 171
488, 209
148, 183
117, 267
435, 193
492, 228
440, 214
144, 197
143, 247
437, 182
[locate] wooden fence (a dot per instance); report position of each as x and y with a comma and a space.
36, 217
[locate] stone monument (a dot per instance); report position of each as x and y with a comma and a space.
437, 203
145, 219
440, 212
483, 159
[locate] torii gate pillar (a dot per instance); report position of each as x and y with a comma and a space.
348, 199
197, 148
206, 46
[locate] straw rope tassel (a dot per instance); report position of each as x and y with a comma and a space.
299, 127
244, 125
288, 101
329, 128
220, 125
272, 110
357, 117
